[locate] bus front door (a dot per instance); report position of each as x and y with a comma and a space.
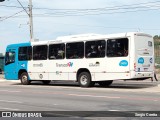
10, 65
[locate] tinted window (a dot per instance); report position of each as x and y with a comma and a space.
25, 53
40, 52
95, 49
9, 57
75, 50
117, 47
57, 51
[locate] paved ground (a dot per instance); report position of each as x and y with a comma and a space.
122, 96
145, 85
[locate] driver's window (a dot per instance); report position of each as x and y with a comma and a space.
10, 57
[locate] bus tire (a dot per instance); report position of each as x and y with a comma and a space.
46, 82
84, 79
105, 83
24, 78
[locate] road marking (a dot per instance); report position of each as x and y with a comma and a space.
92, 96
9, 91
2, 108
10, 101
113, 110
3, 80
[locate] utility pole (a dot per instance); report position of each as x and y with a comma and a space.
31, 21
30, 17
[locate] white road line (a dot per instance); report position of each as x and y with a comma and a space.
113, 110
2, 108
10, 101
9, 91
92, 96
1, 80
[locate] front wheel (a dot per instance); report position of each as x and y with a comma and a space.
24, 78
84, 79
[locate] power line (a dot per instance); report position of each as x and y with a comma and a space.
23, 7
113, 7
85, 14
11, 16
97, 11
121, 6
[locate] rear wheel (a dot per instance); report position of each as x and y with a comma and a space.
24, 78
105, 83
84, 79
46, 82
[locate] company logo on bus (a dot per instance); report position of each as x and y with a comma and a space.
123, 63
141, 60
70, 64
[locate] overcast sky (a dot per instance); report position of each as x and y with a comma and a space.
53, 18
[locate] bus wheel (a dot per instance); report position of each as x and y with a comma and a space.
84, 79
105, 83
24, 78
46, 82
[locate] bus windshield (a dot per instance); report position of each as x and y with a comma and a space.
9, 58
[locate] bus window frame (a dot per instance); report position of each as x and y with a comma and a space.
13, 61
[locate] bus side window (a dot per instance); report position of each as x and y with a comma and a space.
75, 50
40, 52
57, 51
25, 53
95, 49
117, 47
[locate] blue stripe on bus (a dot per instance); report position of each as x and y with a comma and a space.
11, 70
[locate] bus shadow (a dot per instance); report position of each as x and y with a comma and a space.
115, 85
131, 85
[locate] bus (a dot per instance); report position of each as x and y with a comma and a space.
86, 59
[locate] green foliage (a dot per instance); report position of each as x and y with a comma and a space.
156, 37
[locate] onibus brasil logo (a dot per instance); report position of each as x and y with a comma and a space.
69, 64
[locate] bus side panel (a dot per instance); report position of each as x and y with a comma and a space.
12, 69
38, 70
115, 67
112, 69
63, 69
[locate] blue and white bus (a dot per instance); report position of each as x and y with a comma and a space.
86, 59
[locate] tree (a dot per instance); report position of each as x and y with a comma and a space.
156, 37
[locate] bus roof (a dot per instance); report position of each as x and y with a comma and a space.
81, 37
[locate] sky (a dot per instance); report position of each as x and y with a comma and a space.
54, 18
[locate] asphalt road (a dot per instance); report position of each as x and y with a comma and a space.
120, 96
